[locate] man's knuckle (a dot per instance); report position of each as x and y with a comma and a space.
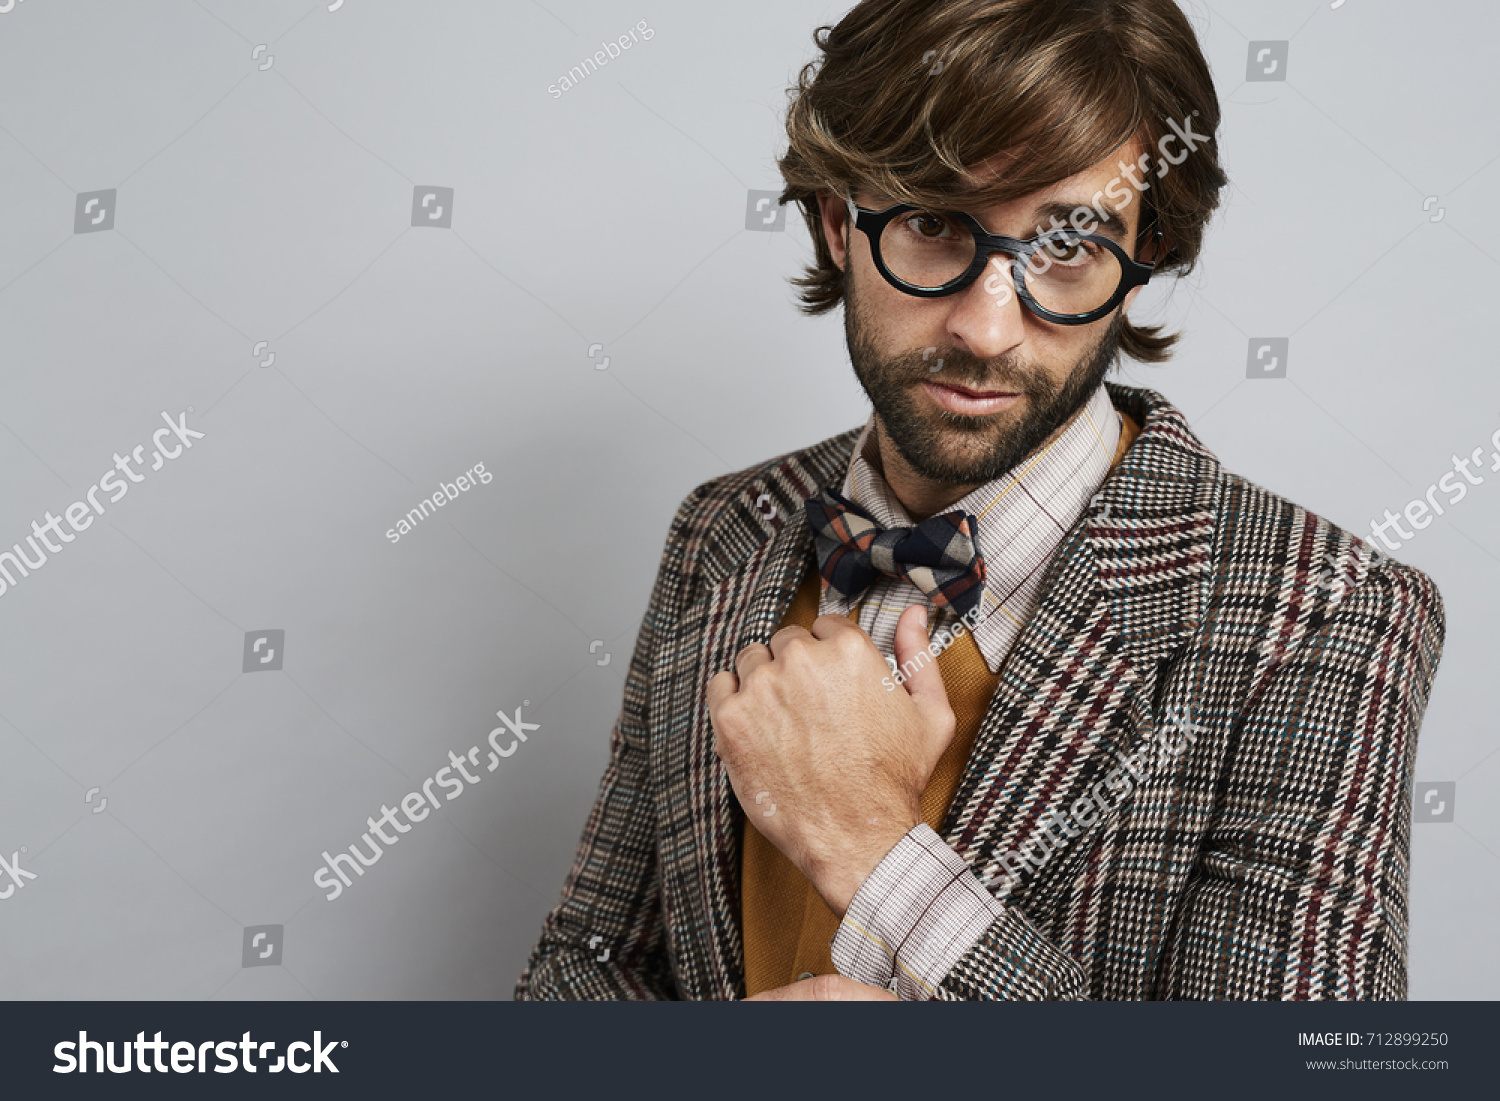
728, 721
747, 652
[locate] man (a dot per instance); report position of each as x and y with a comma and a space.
1015, 692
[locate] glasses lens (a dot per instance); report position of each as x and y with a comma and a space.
926, 249
1070, 276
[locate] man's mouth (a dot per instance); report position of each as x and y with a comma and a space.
968, 401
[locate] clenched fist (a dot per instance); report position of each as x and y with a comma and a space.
842, 761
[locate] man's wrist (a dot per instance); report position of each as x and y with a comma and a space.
838, 879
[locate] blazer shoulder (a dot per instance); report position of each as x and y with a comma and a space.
1309, 554
728, 517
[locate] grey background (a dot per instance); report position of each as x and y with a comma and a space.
274, 204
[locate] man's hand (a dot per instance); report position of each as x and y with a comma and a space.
827, 762
825, 988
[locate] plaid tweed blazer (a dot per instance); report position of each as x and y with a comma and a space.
1268, 861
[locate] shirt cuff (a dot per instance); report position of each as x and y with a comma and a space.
917, 914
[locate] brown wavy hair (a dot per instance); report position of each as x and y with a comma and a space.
909, 95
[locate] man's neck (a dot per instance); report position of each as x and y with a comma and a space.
921, 497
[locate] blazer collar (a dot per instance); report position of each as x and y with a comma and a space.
1152, 535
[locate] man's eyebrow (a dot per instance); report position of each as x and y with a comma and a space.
1113, 226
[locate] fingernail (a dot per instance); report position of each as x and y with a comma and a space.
922, 615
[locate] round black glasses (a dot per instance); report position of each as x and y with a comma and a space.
1063, 275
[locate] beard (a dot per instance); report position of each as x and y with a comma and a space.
953, 449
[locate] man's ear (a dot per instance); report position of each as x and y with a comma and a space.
836, 227
1152, 252
1156, 252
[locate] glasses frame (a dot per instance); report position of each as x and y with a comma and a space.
1133, 273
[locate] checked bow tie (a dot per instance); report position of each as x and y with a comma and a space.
940, 555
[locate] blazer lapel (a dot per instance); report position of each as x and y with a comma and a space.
1075, 699
762, 549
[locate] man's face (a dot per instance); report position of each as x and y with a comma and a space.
968, 385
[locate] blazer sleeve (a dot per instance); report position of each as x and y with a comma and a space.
605, 940
1301, 887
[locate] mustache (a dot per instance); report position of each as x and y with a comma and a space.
956, 366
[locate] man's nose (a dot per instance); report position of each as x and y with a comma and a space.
988, 319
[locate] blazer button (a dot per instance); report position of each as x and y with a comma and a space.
804, 975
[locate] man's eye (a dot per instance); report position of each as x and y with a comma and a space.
924, 224
1070, 252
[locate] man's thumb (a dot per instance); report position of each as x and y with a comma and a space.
918, 663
